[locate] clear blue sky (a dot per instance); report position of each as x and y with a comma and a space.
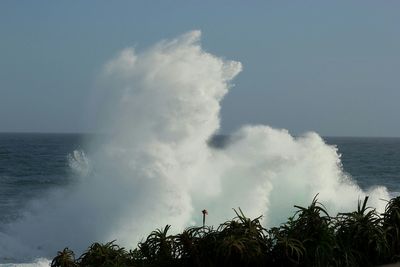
328, 66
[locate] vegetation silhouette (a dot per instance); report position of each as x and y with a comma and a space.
311, 237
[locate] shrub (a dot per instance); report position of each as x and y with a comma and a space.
361, 237
105, 255
159, 248
391, 225
65, 258
309, 238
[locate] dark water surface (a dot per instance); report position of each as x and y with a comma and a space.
30, 164
370, 161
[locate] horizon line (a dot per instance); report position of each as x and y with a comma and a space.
217, 134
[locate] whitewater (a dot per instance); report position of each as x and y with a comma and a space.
160, 107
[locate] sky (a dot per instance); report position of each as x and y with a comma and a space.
327, 66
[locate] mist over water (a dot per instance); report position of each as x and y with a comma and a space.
160, 107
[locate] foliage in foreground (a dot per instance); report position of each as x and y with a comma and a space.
309, 238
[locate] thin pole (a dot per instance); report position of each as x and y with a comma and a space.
204, 217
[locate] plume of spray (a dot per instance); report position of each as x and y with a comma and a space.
156, 167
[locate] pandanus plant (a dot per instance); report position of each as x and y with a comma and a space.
309, 238
391, 224
314, 229
159, 247
306, 239
105, 255
361, 237
64, 258
242, 241
193, 244
285, 250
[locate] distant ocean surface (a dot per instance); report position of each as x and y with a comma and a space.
32, 164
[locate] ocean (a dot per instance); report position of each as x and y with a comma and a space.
33, 165
370, 161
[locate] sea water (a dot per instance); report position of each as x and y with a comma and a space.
32, 165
